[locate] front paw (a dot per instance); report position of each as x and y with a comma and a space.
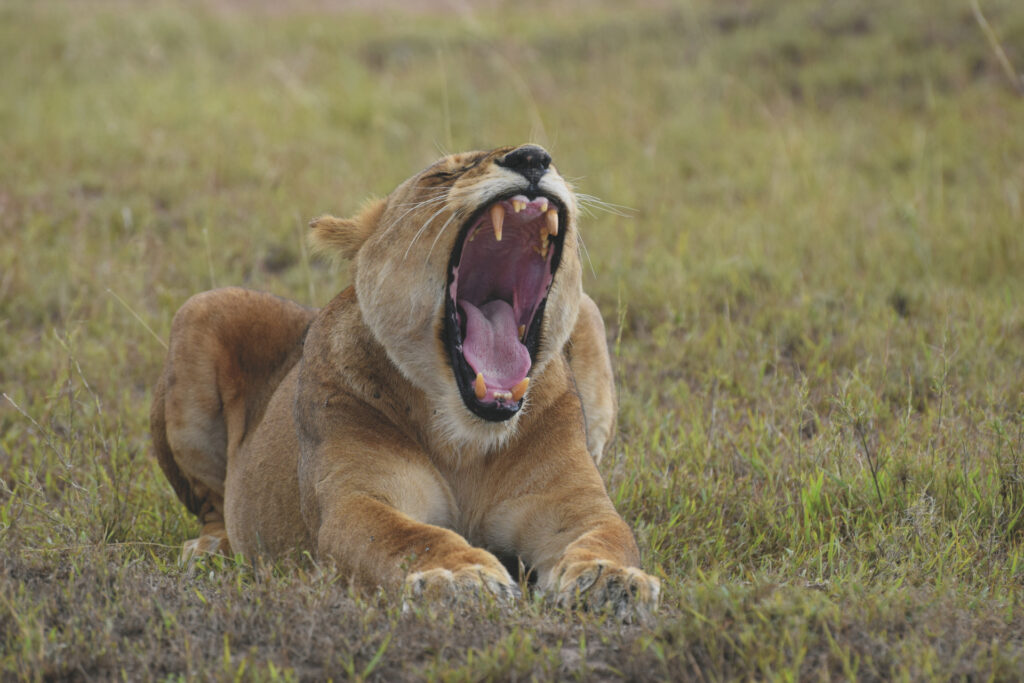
453, 586
596, 585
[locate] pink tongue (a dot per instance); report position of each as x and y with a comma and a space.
492, 344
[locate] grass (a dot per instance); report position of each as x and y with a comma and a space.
815, 307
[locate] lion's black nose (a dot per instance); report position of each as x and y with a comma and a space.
529, 161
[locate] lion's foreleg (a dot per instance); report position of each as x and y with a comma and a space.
377, 544
583, 553
591, 366
587, 558
561, 522
380, 514
590, 576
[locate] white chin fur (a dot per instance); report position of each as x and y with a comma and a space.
460, 434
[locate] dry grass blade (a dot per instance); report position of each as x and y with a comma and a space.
1016, 80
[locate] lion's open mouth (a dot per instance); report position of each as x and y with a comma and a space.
499, 275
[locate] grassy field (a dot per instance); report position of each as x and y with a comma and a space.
815, 301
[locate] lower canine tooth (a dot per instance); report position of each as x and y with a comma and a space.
497, 218
552, 218
520, 389
480, 387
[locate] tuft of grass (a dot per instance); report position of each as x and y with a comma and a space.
813, 299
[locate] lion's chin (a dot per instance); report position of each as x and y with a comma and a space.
499, 276
463, 435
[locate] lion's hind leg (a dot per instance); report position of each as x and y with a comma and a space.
186, 467
213, 540
228, 351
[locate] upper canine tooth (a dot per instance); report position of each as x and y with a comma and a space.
497, 218
552, 218
479, 386
518, 205
520, 389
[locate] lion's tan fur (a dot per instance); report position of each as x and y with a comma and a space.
341, 432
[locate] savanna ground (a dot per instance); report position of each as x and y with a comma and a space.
815, 302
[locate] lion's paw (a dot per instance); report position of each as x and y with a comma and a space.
468, 582
596, 585
207, 544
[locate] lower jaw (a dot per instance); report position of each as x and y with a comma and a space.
498, 411
464, 377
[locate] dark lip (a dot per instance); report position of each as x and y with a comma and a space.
451, 336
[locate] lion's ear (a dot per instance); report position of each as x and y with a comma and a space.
346, 235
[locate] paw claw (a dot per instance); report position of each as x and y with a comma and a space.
589, 578
595, 585
466, 583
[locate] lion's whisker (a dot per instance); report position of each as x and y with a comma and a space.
437, 194
589, 201
586, 252
441, 232
420, 231
413, 208
426, 202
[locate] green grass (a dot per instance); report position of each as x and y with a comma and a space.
816, 306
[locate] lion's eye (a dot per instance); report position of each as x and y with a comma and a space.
448, 175
457, 172
476, 162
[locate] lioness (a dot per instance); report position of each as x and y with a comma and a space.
443, 411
